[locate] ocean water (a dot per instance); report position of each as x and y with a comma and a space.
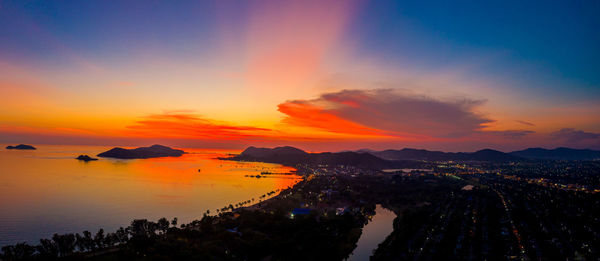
47, 191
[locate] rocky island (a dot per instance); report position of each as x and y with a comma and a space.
85, 158
20, 147
154, 151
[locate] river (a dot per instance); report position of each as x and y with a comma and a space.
375, 232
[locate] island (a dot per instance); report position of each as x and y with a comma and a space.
85, 158
21, 147
154, 151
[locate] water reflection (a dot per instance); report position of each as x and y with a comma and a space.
47, 191
374, 233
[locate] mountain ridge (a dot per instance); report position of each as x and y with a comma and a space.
421, 154
291, 156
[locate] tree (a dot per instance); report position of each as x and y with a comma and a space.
8, 253
99, 239
122, 235
47, 248
163, 225
85, 242
19, 251
174, 222
142, 234
89, 241
79, 242
111, 239
142, 228
64, 243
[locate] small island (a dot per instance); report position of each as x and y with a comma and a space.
21, 147
85, 158
154, 151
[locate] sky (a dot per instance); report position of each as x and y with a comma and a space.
320, 75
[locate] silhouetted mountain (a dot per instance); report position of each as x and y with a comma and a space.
20, 147
291, 156
489, 155
278, 151
557, 154
85, 158
154, 151
364, 151
416, 154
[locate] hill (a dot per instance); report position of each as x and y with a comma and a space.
275, 152
154, 151
291, 156
417, 154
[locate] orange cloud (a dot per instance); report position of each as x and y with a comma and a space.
190, 126
386, 112
305, 114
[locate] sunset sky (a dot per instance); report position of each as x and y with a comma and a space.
320, 75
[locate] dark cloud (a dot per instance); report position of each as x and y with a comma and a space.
575, 136
393, 111
525, 123
513, 134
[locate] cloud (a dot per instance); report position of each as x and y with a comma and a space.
191, 126
575, 136
525, 123
387, 112
512, 134
304, 113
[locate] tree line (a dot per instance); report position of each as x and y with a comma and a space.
76, 244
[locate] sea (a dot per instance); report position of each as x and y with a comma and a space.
47, 191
